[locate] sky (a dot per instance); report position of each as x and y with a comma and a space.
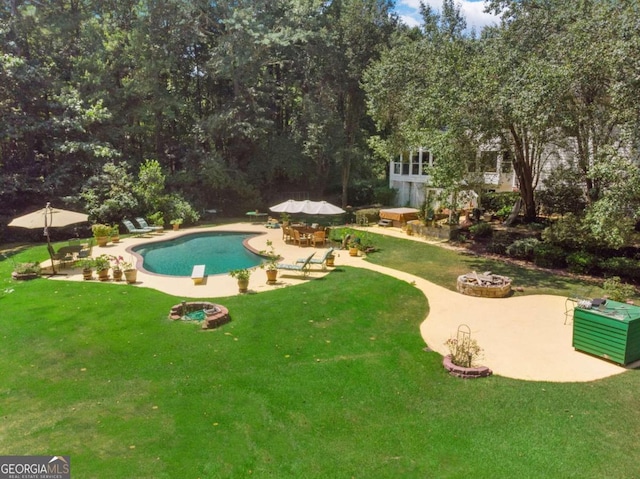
472, 10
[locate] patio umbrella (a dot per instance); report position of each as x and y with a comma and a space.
321, 208
308, 207
289, 206
49, 217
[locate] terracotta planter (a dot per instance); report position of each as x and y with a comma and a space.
272, 275
353, 251
87, 274
176, 227
102, 240
131, 275
115, 239
331, 261
243, 285
103, 274
117, 275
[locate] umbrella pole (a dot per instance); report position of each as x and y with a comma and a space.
46, 233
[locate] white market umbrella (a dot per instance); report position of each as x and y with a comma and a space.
49, 217
307, 207
322, 208
289, 206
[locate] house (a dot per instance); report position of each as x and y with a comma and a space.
410, 178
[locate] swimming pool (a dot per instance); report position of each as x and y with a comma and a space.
219, 251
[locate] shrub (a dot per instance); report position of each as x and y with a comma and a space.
616, 290
548, 255
481, 230
384, 195
627, 268
504, 212
464, 351
523, 248
499, 243
581, 262
571, 233
497, 201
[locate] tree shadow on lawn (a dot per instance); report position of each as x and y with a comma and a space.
530, 278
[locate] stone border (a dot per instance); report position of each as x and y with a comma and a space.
465, 373
215, 314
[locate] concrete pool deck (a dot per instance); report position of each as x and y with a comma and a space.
523, 337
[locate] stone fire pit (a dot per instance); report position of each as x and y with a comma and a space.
484, 285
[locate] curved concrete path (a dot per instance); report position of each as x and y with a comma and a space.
523, 337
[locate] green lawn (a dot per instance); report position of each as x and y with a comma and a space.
324, 380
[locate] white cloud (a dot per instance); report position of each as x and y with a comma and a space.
473, 12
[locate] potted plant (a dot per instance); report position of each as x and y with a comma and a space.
285, 218
115, 234
102, 265
101, 232
87, 265
331, 260
25, 271
176, 223
117, 266
354, 246
242, 275
130, 272
271, 263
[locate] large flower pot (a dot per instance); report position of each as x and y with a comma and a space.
103, 274
176, 227
243, 285
353, 251
87, 274
331, 261
117, 275
102, 240
272, 275
115, 238
131, 275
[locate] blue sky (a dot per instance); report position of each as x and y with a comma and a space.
409, 11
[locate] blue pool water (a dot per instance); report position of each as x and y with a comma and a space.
220, 252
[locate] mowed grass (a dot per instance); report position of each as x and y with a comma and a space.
443, 266
324, 380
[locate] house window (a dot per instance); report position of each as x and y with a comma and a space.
426, 162
506, 165
489, 161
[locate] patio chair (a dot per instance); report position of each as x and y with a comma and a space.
143, 224
286, 233
133, 230
321, 261
299, 238
319, 237
303, 268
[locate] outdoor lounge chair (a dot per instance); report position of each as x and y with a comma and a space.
321, 261
143, 224
135, 231
303, 268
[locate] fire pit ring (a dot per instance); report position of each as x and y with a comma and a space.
484, 285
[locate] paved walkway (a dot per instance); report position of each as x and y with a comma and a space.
523, 337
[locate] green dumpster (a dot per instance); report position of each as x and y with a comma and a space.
610, 331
